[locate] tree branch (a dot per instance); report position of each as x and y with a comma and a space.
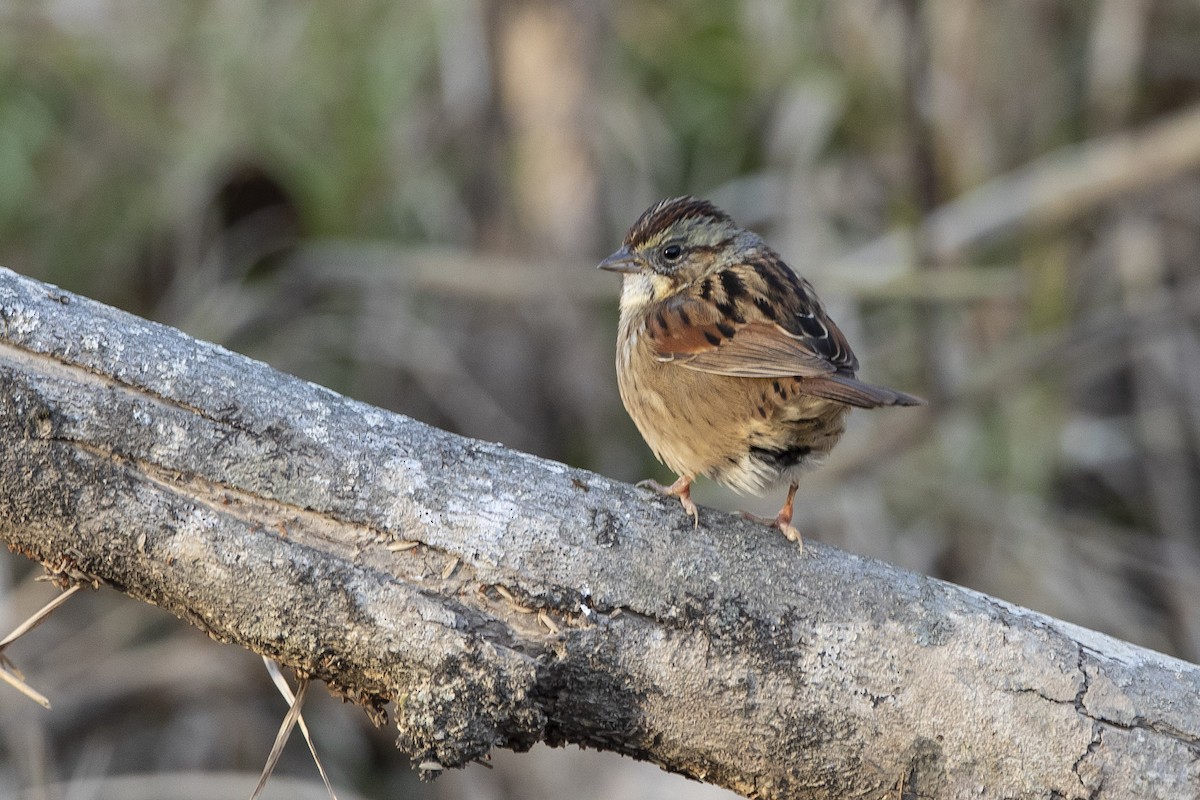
277, 514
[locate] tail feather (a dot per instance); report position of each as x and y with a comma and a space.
842, 389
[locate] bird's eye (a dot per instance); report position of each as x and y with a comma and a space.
672, 252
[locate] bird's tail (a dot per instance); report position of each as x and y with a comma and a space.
842, 389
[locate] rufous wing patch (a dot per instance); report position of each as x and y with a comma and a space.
692, 334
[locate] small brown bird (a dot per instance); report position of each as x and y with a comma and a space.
726, 359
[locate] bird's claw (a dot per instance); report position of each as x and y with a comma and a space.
781, 523
682, 489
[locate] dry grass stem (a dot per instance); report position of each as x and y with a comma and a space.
285, 730
285, 690
38, 617
15, 679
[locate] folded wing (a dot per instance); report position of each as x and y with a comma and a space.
711, 328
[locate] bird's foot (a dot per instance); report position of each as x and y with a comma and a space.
783, 525
781, 521
682, 488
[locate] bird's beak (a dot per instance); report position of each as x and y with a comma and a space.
621, 261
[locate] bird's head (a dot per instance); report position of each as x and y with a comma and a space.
674, 244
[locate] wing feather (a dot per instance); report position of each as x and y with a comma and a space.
755, 321
755, 350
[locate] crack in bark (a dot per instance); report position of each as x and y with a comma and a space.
1093, 746
58, 367
1162, 728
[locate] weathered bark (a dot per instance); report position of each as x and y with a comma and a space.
261, 508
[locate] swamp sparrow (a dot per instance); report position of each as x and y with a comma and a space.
726, 359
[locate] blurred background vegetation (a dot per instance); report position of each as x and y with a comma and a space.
1000, 201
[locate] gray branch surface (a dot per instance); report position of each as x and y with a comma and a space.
497, 599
